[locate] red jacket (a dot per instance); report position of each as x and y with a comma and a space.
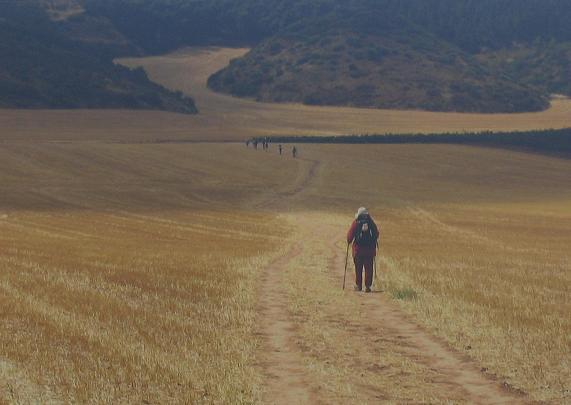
363, 251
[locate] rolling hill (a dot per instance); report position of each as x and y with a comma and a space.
58, 57
439, 55
434, 55
366, 64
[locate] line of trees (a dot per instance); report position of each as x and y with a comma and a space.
553, 142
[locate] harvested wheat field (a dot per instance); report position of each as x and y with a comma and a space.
212, 273
225, 118
128, 273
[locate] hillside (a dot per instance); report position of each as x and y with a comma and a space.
227, 118
385, 54
61, 58
438, 55
364, 66
544, 66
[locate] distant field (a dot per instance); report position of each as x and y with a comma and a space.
132, 273
226, 118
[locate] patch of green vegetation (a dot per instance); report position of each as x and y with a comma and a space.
404, 294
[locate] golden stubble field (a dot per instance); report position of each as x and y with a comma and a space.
127, 272
227, 118
474, 246
131, 273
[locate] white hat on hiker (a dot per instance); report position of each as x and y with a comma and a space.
361, 211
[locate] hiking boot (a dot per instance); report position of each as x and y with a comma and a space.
357, 288
368, 289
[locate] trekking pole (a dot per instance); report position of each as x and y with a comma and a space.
375, 262
346, 259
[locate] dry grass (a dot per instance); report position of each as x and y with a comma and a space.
128, 273
346, 351
497, 285
481, 238
226, 118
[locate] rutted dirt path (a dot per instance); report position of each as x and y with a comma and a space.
457, 372
287, 381
282, 198
281, 358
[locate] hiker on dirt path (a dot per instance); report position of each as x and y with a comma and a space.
364, 235
280, 148
294, 152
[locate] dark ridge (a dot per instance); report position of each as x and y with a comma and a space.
437, 55
69, 65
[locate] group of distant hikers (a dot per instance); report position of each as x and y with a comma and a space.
266, 145
363, 233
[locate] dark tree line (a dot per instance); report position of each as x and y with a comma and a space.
552, 142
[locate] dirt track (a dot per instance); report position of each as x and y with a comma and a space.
286, 381
283, 360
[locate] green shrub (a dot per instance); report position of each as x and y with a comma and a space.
405, 294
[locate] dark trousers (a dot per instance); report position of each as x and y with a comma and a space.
360, 263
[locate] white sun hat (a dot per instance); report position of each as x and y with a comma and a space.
361, 211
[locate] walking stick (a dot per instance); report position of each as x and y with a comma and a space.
346, 259
375, 263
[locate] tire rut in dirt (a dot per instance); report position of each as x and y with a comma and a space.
458, 374
281, 362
